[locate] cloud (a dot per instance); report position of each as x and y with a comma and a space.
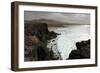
78, 18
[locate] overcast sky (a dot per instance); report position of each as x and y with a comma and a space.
78, 18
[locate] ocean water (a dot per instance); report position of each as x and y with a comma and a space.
68, 37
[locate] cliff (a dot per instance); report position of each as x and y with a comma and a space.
36, 36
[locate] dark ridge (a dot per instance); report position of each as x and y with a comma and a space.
49, 22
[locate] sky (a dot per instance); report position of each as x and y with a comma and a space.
77, 18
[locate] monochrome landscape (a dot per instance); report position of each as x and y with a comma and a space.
56, 36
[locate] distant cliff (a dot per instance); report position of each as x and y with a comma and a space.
82, 52
49, 22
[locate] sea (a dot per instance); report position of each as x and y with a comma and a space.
68, 36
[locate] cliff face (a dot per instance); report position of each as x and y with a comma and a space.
36, 36
82, 52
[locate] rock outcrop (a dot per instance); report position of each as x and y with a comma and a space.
82, 52
36, 37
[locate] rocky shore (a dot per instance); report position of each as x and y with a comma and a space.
83, 50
